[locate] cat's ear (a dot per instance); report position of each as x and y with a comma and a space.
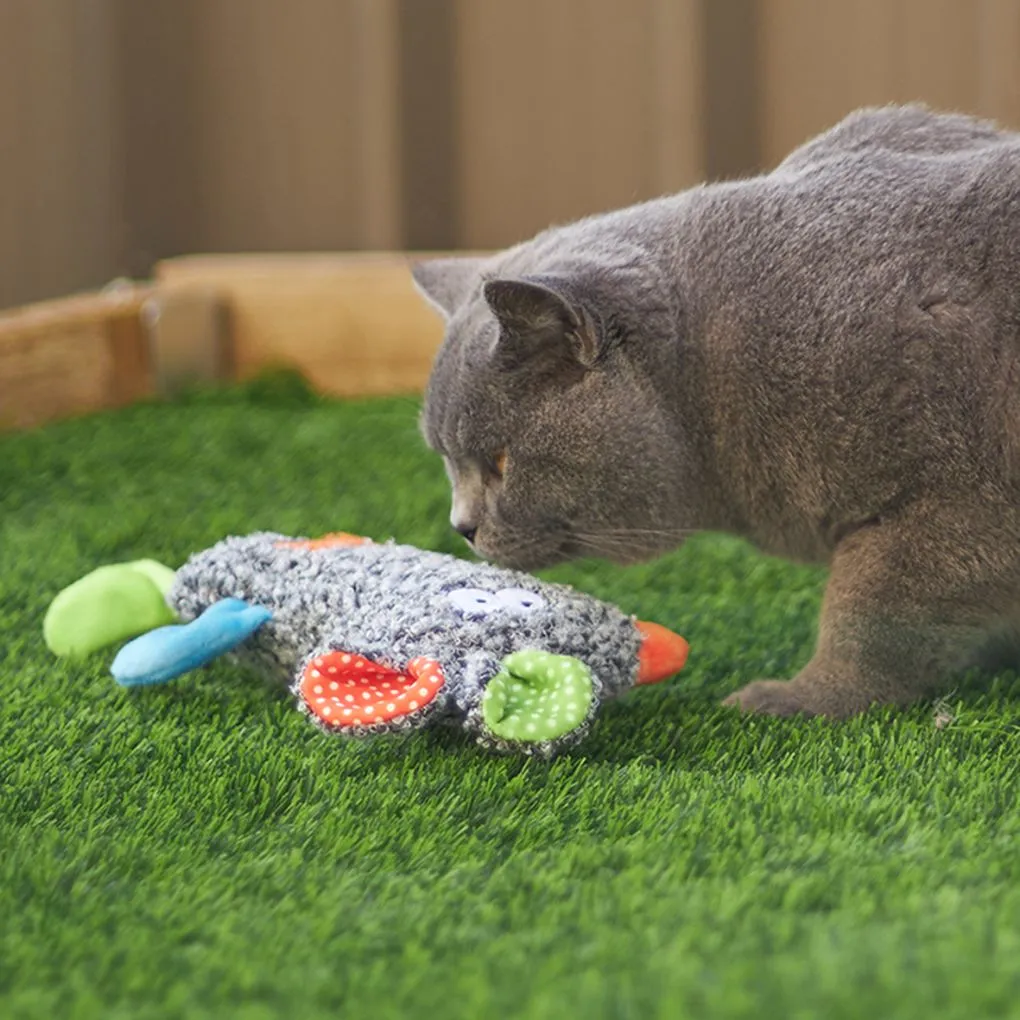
539, 315
446, 283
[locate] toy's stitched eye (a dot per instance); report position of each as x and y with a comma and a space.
474, 601
477, 602
520, 600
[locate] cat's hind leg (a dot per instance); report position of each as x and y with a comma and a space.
910, 602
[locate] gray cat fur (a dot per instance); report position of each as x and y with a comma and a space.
823, 359
388, 603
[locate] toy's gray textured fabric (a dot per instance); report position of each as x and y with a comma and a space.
392, 604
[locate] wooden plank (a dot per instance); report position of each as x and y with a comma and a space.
354, 324
70, 356
937, 54
819, 61
998, 72
561, 114
679, 81
255, 125
161, 110
731, 76
376, 50
296, 129
428, 123
59, 216
187, 337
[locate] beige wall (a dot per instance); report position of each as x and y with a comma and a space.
132, 130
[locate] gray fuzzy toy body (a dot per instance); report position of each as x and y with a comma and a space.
391, 605
824, 359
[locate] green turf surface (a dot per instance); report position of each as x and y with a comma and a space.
200, 850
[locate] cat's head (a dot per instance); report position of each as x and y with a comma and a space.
543, 405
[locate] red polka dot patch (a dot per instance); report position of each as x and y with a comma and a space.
345, 690
334, 540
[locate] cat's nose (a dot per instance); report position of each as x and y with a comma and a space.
468, 531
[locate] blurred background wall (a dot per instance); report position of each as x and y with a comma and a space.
136, 129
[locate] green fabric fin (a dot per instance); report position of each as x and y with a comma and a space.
162, 577
537, 696
110, 605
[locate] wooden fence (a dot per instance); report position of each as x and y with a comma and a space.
134, 131
131, 131
352, 324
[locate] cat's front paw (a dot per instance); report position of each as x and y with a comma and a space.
769, 697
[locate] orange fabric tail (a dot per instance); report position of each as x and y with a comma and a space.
662, 654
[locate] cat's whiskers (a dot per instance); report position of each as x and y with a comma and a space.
523, 543
633, 539
611, 543
642, 532
611, 548
628, 543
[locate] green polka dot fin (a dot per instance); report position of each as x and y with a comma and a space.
537, 696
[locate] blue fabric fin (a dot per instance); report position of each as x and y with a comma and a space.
168, 652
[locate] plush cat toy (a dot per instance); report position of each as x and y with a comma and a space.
374, 637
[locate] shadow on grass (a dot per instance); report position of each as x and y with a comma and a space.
671, 726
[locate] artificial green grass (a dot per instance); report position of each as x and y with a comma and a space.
201, 850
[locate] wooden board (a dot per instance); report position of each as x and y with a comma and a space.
819, 61
292, 122
609, 110
60, 149
354, 324
66, 357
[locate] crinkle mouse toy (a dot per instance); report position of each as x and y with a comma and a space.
375, 637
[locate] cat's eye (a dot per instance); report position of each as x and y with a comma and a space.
499, 464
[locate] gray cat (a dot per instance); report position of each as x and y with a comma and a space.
824, 359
